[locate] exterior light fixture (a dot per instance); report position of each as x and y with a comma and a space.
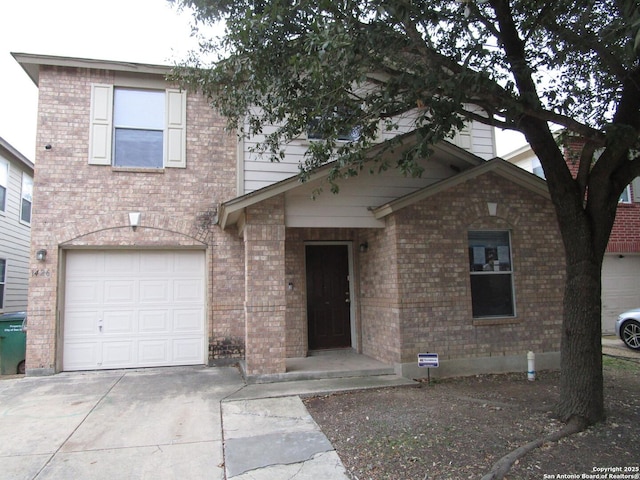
364, 246
41, 255
134, 220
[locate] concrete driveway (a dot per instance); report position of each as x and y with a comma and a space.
157, 423
166, 423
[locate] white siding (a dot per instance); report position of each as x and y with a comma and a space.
14, 242
259, 172
351, 208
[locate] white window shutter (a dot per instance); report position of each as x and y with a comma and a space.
101, 124
176, 144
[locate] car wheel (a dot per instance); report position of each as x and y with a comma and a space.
631, 334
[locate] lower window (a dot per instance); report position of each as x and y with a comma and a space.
491, 274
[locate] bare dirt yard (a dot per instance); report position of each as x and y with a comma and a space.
458, 428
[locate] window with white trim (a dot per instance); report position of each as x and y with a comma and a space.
626, 195
3, 278
26, 198
137, 128
317, 129
491, 273
4, 184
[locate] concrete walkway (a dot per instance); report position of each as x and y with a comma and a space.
169, 423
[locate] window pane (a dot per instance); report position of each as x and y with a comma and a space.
27, 187
25, 211
3, 198
138, 109
4, 174
489, 251
491, 295
138, 148
626, 196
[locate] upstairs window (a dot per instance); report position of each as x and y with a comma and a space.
138, 120
317, 128
626, 195
491, 274
137, 128
26, 199
4, 184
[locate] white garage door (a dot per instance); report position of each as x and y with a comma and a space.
126, 309
620, 288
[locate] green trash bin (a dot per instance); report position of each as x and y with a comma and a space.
13, 342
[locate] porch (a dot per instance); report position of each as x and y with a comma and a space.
339, 364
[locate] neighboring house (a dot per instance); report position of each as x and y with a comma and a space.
621, 266
16, 189
170, 243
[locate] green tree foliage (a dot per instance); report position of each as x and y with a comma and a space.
524, 65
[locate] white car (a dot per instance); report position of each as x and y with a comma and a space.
628, 328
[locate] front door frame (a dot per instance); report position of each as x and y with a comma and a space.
352, 296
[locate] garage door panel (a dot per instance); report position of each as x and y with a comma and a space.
153, 352
83, 323
154, 321
118, 322
121, 291
119, 263
157, 263
84, 293
188, 290
186, 351
188, 321
118, 354
85, 264
151, 306
81, 356
154, 291
187, 263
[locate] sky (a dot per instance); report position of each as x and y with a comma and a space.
144, 31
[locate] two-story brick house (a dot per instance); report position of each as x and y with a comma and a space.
621, 266
16, 189
170, 242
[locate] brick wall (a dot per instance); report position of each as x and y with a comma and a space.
77, 204
430, 308
265, 302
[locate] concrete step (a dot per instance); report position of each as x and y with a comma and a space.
320, 386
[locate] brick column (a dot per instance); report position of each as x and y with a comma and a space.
265, 302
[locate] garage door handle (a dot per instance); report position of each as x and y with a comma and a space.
100, 325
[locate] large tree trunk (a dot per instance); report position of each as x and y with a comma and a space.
581, 381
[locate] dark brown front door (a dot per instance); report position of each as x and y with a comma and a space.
328, 301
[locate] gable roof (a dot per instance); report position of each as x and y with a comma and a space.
15, 154
31, 63
499, 166
456, 158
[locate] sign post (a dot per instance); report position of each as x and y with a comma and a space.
428, 360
